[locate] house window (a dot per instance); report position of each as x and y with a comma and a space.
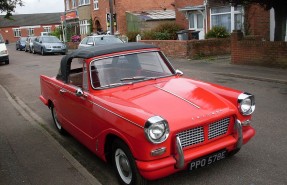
67, 4
17, 32
84, 27
74, 4
195, 21
229, 17
30, 31
84, 2
47, 29
96, 4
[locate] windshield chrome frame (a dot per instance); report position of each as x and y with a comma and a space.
130, 83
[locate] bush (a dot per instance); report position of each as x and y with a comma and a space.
132, 35
76, 38
168, 31
148, 35
162, 36
217, 32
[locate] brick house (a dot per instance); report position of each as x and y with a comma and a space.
202, 15
100, 12
28, 25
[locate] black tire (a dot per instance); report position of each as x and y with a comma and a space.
125, 165
64, 53
42, 52
30, 50
26, 49
58, 125
7, 62
16, 48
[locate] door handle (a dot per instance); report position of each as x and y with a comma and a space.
62, 91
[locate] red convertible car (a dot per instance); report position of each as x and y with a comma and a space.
128, 105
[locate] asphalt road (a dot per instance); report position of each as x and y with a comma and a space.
262, 161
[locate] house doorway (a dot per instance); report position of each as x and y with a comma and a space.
196, 23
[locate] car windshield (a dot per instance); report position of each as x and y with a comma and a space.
107, 40
22, 39
50, 40
1, 39
128, 69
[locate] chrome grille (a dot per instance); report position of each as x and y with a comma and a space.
218, 128
196, 135
191, 137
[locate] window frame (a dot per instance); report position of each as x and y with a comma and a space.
96, 4
47, 29
17, 32
239, 10
67, 4
84, 27
84, 2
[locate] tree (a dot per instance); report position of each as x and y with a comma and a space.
9, 6
280, 9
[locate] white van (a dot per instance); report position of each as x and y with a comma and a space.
4, 56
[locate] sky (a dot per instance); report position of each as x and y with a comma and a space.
40, 6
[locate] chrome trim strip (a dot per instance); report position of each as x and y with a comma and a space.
116, 114
179, 154
238, 127
196, 106
101, 107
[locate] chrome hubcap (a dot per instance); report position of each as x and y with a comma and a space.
123, 166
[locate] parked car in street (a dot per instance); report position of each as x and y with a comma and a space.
4, 55
29, 44
48, 44
99, 40
21, 43
128, 105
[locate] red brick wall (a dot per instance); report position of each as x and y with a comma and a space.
178, 49
180, 17
122, 6
192, 48
258, 21
8, 33
257, 52
209, 47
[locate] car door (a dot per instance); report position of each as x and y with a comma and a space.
78, 110
36, 44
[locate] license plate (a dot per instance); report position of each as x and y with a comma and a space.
207, 160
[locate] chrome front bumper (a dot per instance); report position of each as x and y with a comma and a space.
179, 155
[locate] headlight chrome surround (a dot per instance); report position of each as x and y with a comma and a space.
156, 129
246, 103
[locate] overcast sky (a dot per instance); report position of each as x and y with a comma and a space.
40, 6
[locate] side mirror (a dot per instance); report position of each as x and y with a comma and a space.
178, 72
41, 42
79, 92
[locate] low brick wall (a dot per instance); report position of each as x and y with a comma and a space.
192, 48
173, 48
72, 45
208, 47
258, 52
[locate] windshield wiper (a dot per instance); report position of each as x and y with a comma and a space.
115, 84
138, 78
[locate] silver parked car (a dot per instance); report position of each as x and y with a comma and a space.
29, 44
48, 44
99, 40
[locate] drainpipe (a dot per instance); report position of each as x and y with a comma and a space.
205, 6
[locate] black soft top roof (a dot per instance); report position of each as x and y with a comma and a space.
94, 51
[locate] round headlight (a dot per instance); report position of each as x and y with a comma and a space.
156, 129
246, 103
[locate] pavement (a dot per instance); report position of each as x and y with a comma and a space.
30, 155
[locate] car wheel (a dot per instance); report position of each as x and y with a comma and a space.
30, 50
7, 62
124, 165
63, 53
42, 52
16, 48
26, 49
33, 50
56, 121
